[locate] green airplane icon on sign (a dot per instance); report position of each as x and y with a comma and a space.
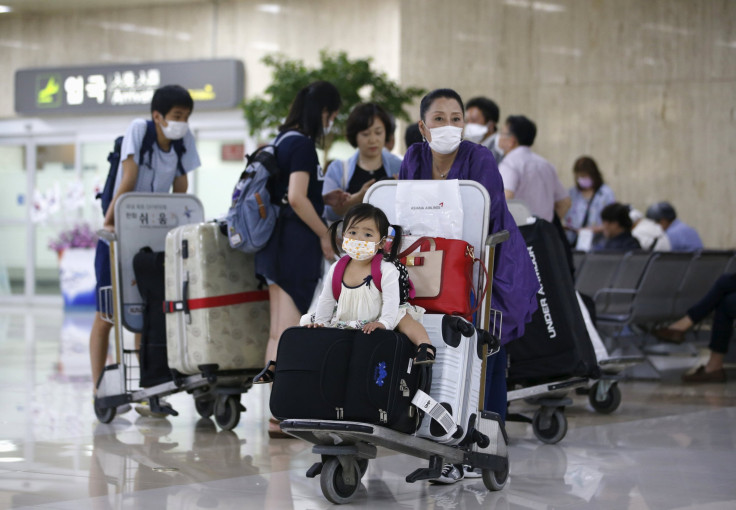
46, 96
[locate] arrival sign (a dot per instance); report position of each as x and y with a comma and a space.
120, 88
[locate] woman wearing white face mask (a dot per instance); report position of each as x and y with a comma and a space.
589, 196
445, 155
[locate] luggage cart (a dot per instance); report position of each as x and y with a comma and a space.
346, 447
564, 328
144, 219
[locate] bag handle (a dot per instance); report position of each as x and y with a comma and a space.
469, 252
416, 244
485, 285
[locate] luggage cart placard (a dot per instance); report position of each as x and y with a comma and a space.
144, 219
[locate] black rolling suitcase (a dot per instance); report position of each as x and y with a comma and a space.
344, 374
382, 380
311, 373
148, 267
555, 344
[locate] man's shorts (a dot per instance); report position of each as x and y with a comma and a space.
102, 270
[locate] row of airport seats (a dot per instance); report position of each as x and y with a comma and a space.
645, 289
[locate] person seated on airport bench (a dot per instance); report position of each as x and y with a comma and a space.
721, 299
617, 225
651, 235
682, 237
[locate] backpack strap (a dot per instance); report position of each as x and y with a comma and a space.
147, 147
376, 270
339, 271
147, 144
180, 150
337, 276
287, 135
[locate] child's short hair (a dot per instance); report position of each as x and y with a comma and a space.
362, 212
617, 213
167, 97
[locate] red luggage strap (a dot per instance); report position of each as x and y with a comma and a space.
215, 301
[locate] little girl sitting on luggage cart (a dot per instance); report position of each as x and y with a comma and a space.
356, 300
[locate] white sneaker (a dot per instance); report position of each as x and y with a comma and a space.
469, 472
450, 474
123, 409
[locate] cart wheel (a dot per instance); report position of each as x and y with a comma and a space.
204, 406
363, 466
495, 480
227, 412
333, 486
608, 404
104, 414
556, 430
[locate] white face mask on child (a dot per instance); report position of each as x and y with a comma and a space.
359, 250
175, 130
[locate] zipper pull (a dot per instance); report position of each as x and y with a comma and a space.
403, 388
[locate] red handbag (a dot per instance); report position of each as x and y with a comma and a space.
442, 274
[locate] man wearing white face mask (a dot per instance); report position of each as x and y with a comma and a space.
481, 120
155, 156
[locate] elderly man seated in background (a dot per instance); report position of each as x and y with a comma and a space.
682, 237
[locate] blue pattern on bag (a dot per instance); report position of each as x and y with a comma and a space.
379, 373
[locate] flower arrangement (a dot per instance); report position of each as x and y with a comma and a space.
81, 236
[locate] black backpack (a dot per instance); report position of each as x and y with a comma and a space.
106, 195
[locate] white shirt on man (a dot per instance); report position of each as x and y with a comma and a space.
533, 180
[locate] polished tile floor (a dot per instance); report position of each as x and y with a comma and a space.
668, 446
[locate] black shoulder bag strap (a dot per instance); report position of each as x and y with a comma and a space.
587, 210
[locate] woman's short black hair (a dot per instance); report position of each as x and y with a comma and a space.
305, 113
167, 97
487, 107
522, 128
362, 117
412, 135
437, 94
587, 166
618, 213
362, 212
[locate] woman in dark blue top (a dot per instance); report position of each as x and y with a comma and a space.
291, 262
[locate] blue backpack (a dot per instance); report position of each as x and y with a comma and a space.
106, 195
253, 210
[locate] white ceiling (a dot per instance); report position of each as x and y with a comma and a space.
45, 6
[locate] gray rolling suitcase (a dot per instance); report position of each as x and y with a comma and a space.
215, 313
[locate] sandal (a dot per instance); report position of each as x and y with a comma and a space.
266, 375
276, 432
425, 354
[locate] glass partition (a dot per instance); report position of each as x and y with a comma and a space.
222, 164
13, 201
55, 212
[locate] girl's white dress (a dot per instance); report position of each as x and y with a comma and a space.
360, 305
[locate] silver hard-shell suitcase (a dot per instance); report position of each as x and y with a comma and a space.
216, 315
456, 375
